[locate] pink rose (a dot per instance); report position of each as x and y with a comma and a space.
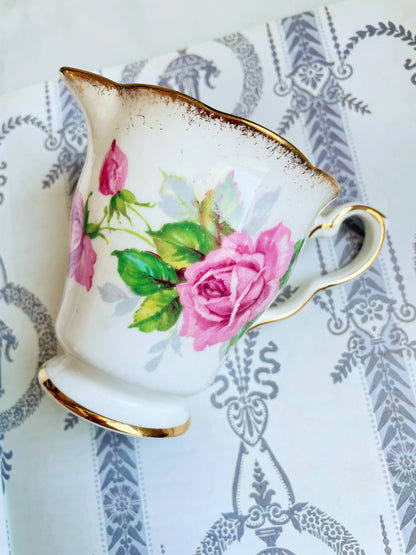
233, 285
82, 256
113, 172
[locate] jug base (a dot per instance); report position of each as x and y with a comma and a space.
111, 403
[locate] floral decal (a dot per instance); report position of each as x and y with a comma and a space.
233, 285
201, 264
82, 256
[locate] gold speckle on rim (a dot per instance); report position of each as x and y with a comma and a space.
79, 76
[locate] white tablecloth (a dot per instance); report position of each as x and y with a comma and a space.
329, 464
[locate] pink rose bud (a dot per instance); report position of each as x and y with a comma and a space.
113, 171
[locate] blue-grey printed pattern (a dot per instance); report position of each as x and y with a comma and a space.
409, 64
71, 420
317, 96
388, 29
120, 493
5, 464
378, 341
28, 303
70, 141
15, 122
8, 341
130, 72
12, 124
271, 504
15, 415
185, 71
386, 541
3, 179
253, 73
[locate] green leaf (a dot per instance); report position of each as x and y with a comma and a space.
159, 311
121, 207
183, 243
112, 208
87, 212
129, 198
92, 230
144, 272
296, 250
118, 206
123, 200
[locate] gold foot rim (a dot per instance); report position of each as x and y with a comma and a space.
104, 421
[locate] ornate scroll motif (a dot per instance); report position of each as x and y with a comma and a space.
71, 142
253, 74
8, 341
131, 72
263, 501
188, 71
184, 73
17, 122
378, 341
15, 415
5, 463
27, 302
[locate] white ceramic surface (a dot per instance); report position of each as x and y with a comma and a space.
202, 192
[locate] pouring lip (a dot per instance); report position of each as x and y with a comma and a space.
68, 73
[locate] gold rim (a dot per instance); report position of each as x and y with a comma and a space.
328, 225
71, 74
104, 421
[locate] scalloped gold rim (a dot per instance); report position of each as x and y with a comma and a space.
70, 73
328, 225
104, 421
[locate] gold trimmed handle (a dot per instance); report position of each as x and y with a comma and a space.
327, 226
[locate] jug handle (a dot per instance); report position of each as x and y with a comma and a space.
327, 225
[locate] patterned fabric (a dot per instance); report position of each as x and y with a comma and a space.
306, 440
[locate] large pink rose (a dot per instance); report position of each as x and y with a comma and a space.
113, 172
82, 256
233, 285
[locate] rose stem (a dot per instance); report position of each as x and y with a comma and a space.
129, 231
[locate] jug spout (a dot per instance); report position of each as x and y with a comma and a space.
99, 98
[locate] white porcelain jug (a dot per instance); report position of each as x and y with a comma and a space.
186, 223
